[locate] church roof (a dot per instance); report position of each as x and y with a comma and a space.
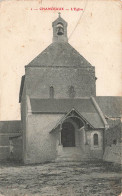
84, 106
59, 54
61, 105
111, 106
10, 126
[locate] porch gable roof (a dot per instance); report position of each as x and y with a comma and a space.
85, 107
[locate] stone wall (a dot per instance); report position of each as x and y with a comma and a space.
113, 134
39, 79
40, 144
4, 147
113, 143
8, 129
16, 148
113, 153
23, 119
96, 151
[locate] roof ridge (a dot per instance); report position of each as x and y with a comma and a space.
100, 112
39, 54
79, 53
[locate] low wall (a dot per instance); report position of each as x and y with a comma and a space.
16, 149
8, 129
113, 134
113, 153
113, 142
4, 147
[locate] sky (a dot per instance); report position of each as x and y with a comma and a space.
25, 31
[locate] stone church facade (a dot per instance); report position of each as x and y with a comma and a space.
61, 116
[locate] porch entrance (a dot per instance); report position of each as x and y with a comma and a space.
68, 135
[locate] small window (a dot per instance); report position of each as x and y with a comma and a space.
95, 138
71, 92
51, 92
114, 142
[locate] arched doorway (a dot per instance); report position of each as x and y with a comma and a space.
68, 135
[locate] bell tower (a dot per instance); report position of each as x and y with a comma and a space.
59, 30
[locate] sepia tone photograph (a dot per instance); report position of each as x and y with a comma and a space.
60, 98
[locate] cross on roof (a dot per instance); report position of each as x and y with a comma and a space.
59, 13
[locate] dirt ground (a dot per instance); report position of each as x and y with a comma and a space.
61, 179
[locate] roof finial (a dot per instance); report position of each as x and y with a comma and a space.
59, 13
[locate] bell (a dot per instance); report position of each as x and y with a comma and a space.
60, 31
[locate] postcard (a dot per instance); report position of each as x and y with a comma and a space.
60, 98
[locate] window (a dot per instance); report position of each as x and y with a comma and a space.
71, 92
51, 92
114, 142
95, 138
60, 29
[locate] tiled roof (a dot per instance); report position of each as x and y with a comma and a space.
94, 119
61, 105
10, 126
59, 54
111, 106
84, 106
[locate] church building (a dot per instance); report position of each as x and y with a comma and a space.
61, 116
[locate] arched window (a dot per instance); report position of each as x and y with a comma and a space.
95, 138
60, 29
71, 92
51, 92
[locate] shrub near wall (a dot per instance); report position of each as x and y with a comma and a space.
113, 153
113, 144
113, 134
